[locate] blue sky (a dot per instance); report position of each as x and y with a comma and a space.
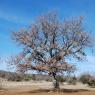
16, 14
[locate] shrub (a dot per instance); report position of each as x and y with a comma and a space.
61, 79
27, 78
91, 83
0, 85
33, 77
72, 80
88, 79
85, 78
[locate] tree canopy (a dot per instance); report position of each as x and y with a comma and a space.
49, 42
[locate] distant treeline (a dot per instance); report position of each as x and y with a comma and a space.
12, 76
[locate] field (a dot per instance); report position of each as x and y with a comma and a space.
43, 88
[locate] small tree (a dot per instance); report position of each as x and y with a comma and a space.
49, 43
85, 78
0, 77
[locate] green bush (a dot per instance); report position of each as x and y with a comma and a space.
27, 78
88, 79
61, 79
72, 80
85, 78
91, 83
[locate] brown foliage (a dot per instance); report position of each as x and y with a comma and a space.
49, 42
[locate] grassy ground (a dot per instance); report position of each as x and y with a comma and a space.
43, 88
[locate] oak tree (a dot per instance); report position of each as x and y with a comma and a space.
48, 44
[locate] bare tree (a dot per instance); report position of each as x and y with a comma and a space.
49, 43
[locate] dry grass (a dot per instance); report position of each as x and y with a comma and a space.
44, 88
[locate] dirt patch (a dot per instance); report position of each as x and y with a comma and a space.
46, 92
59, 90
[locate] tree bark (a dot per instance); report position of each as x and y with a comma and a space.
55, 82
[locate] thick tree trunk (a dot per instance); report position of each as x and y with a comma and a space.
55, 82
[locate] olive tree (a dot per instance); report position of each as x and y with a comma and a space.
49, 43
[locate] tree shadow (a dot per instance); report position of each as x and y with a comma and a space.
73, 90
58, 90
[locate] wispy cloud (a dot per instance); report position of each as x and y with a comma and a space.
14, 18
91, 60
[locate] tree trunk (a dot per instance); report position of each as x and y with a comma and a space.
55, 82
